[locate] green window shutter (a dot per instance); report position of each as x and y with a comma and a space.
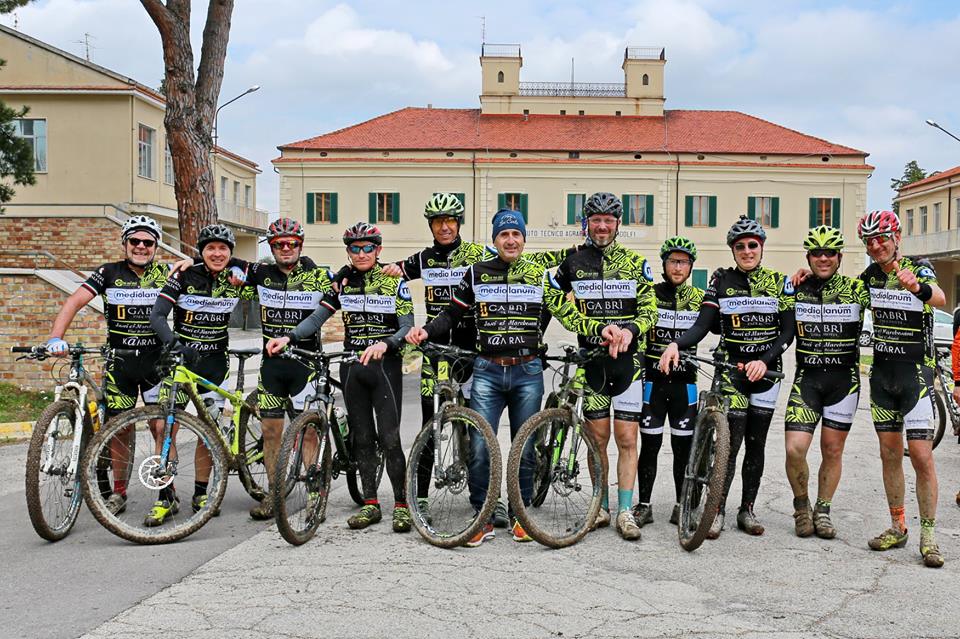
835, 210
501, 201
813, 212
396, 207
700, 278
649, 205
775, 212
333, 208
372, 213
462, 197
523, 207
713, 210
571, 208
688, 210
752, 207
626, 209
310, 208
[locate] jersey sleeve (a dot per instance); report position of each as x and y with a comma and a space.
411, 267
565, 311
710, 295
646, 299
97, 282
550, 259
563, 277
925, 273
173, 288
331, 301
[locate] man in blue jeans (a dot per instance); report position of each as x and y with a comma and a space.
506, 295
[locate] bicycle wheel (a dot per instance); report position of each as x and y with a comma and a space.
301, 485
253, 470
353, 480
574, 481
939, 420
53, 492
449, 519
541, 473
704, 478
137, 458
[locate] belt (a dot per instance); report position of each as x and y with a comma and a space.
506, 360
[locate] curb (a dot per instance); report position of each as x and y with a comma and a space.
16, 430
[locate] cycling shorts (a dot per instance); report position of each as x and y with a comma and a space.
127, 378
627, 406
901, 398
744, 394
676, 400
830, 394
282, 379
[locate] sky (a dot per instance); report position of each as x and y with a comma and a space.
865, 74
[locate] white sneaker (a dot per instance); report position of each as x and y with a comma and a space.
627, 526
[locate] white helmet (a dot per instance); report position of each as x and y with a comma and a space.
140, 223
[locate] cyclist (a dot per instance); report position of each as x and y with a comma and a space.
829, 316
612, 283
202, 299
129, 289
673, 396
508, 371
754, 306
903, 291
955, 364
377, 313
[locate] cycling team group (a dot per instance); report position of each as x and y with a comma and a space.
496, 301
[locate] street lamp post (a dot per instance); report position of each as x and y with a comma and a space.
216, 114
937, 126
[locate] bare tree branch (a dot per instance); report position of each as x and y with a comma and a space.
216, 33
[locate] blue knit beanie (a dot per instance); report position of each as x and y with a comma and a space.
507, 219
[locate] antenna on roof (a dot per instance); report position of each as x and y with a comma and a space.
86, 45
571, 73
483, 29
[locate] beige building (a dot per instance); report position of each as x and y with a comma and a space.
542, 147
930, 214
100, 147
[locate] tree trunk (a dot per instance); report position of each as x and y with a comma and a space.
191, 106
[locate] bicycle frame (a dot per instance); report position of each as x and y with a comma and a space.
946, 379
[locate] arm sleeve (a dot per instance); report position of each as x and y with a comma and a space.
693, 335
788, 330
395, 341
96, 283
410, 267
312, 323
158, 320
550, 259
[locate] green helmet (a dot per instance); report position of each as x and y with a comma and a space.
824, 237
678, 243
444, 205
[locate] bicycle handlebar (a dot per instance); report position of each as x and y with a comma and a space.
575, 355
39, 351
687, 357
345, 357
448, 350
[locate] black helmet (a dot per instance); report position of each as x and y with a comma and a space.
603, 204
745, 227
216, 233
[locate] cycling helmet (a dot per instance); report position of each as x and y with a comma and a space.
140, 223
824, 237
444, 205
361, 231
603, 204
609, 376
216, 233
877, 223
284, 227
678, 243
745, 227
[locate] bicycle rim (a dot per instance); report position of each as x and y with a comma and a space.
704, 477
354, 485
252, 470
573, 483
448, 518
301, 485
130, 438
53, 493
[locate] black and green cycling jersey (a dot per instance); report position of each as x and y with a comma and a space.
902, 324
128, 299
374, 306
677, 310
829, 316
203, 302
507, 300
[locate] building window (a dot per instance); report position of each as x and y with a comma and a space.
637, 209
499, 76
824, 211
384, 208
248, 195
956, 213
923, 220
701, 210
514, 202
236, 192
563, 111
700, 278
223, 189
646, 79
936, 217
573, 155
321, 208
167, 165
145, 152
34, 131
575, 207
764, 209
909, 218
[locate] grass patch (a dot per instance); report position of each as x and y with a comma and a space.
866, 360
17, 405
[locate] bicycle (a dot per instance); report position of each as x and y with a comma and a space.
52, 483
553, 449
944, 405
706, 470
305, 464
448, 519
153, 463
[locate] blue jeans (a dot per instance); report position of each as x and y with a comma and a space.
519, 388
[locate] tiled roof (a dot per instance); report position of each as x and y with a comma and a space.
676, 131
234, 156
942, 175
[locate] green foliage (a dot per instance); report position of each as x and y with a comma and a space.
16, 156
6, 6
911, 173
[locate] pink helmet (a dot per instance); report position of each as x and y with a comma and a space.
877, 223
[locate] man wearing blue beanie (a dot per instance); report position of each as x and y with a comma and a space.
506, 219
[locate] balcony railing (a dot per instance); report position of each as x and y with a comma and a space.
241, 214
573, 89
500, 50
942, 244
644, 53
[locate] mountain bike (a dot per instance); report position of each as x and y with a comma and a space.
560, 459
706, 471
944, 405
162, 443
447, 518
62, 431
307, 461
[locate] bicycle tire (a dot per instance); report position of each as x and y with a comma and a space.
353, 479
535, 524
185, 522
450, 521
541, 474
251, 466
939, 421
711, 448
56, 525
295, 521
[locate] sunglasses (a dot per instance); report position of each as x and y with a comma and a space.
136, 241
286, 244
366, 248
823, 252
878, 239
746, 246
